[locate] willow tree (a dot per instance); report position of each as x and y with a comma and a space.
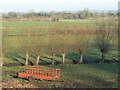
53, 41
53, 47
25, 42
38, 43
38, 47
81, 41
64, 44
105, 35
63, 51
81, 45
60, 39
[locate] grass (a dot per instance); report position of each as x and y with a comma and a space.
47, 23
91, 74
73, 25
77, 76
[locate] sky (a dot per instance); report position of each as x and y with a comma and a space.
56, 5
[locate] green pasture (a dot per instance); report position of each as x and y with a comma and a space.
45, 27
16, 44
89, 74
75, 76
48, 23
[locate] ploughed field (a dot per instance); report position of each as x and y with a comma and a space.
89, 74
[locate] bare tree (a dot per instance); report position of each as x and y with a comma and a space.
81, 45
61, 39
82, 42
38, 52
85, 13
37, 45
52, 46
53, 42
64, 42
25, 42
63, 52
27, 47
105, 35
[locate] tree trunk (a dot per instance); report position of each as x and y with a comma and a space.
2, 60
37, 60
27, 56
63, 58
81, 59
53, 56
103, 57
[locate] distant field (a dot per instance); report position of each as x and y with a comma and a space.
48, 23
14, 27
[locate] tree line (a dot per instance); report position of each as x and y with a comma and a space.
55, 16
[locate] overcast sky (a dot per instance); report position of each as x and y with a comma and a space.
57, 5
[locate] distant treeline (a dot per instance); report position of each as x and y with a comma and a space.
55, 16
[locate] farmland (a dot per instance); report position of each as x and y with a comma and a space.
21, 36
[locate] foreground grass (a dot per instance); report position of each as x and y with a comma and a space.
75, 76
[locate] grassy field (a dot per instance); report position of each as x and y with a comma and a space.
14, 52
90, 74
75, 76
15, 28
